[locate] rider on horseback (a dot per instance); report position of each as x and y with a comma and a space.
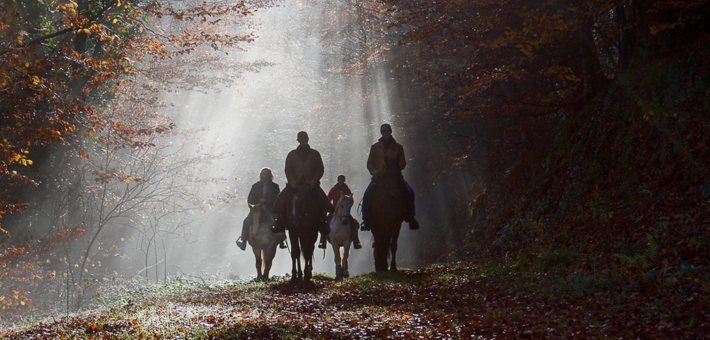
304, 166
264, 191
386, 151
338, 190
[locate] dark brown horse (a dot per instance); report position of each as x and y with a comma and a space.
388, 205
303, 217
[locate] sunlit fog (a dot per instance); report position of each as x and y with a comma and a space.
254, 125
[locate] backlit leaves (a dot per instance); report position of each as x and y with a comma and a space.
75, 73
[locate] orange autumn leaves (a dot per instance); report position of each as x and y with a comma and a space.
68, 71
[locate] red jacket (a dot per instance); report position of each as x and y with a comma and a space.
334, 194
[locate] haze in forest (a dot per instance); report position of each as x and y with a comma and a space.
126, 195
254, 125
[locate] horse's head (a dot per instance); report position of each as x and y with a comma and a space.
345, 204
255, 211
390, 180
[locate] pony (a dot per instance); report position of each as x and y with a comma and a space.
303, 214
263, 242
340, 237
389, 202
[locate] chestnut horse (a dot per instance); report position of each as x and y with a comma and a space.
262, 241
302, 219
389, 201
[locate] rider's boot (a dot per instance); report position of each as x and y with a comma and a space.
242, 240
364, 226
324, 227
323, 243
354, 234
241, 244
356, 240
409, 214
283, 245
413, 223
324, 231
366, 205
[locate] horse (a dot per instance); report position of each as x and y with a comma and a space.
263, 242
389, 202
302, 219
340, 235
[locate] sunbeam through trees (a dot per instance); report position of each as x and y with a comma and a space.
559, 148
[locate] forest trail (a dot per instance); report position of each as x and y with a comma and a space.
459, 300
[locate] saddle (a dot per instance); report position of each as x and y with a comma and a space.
289, 210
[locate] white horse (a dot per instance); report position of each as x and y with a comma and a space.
263, 242
340, 237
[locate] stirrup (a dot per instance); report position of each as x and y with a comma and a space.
364, 227
283, 245
323, 245
357, 245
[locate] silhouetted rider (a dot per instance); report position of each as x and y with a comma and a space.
304, 166
386, 151
264, 192
338, 190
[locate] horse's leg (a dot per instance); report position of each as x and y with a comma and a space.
295, 256
257, 255
300, 271
308, 247
393, 247
346, 255
269, 254
380, 250
336, 257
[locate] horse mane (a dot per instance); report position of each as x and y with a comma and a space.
337, 209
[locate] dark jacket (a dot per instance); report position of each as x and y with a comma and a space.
255, 194
306, 168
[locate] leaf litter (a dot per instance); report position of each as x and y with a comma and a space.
458, 300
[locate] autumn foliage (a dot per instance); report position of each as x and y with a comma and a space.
581, 127
77, 77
